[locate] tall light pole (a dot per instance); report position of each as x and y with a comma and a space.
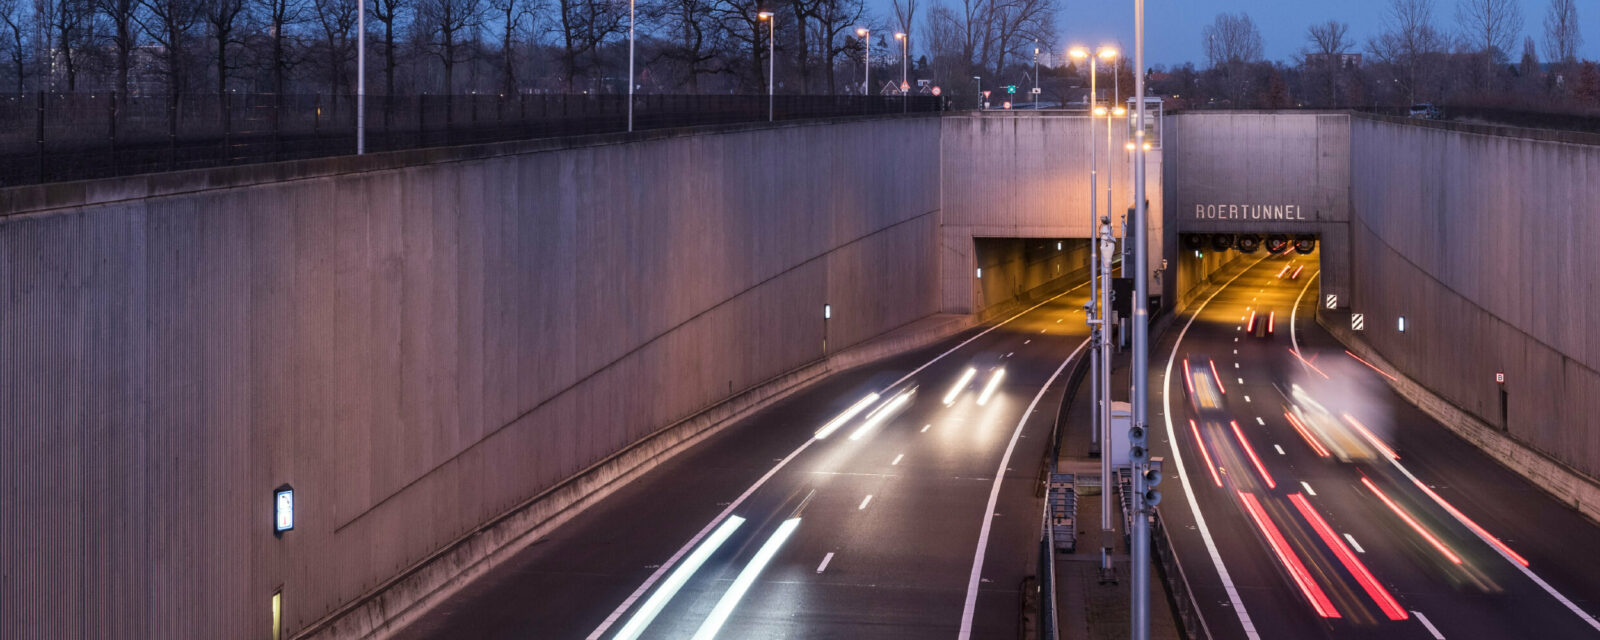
630, 64
361, 77
866, 61
905, 53
1099, 313
772, 47
1036, 74
1137, 433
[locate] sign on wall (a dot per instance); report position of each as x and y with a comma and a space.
1332, 301
1249, 212
1358, 321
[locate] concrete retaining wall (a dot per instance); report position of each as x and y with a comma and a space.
418, 342
1483, 239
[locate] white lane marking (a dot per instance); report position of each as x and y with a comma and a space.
994, 498
1518, 565
1247, 398
1027, 341
897, 459
864, 502
1295, 310
667, 566
825, 560
1353, 544
1235, 352
1429, 625
1011, 354
1183, 477
1279, 447
1236, 365
925, 428
1260, 421
1305, 486
1241, 380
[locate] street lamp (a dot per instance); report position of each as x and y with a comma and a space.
978, 80
1137, 432
361, 77
772, 36
905, 52
866, 61
1036, 74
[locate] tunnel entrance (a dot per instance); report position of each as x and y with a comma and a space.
1209, 258
1012, 273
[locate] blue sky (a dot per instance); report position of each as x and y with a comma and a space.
1173, 26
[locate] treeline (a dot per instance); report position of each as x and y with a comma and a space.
171, 47
1482, 57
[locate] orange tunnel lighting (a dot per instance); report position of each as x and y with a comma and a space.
1415, 526
1280, 547
1351, 563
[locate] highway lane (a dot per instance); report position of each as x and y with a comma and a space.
1314, 546
870, 532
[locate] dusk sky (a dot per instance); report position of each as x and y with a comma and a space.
1173, 26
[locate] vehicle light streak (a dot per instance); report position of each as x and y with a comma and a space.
882, 413
1291, 562
1301, 429
1308, 364
1188, 379
674, 582
1385, 600
1253, 458
1482, 533
1415, 526
838, 421
1381, 372
1371, 438
1205, 454
1296, 274
1251, 326
747, 577
1285, 270
1216, 377
1272, 321
988, 389
950, 398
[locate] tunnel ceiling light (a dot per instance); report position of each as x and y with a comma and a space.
1248, 242
1221, 241
1277, 243
1305, 244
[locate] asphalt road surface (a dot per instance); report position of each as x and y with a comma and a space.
1360, 517
900, 523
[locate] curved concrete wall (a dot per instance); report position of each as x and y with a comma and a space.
1484, 239
417, 342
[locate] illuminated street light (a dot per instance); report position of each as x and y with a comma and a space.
772, 36
866, 61
905, 53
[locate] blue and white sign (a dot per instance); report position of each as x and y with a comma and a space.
282, 510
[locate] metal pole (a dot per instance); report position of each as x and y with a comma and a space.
772, 48
630, 64
866, 76
1141, 348
1036, 77
905, 85
361, 77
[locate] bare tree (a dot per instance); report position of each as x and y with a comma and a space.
222, 18
124, 35
1562, 36
835, 24
1410, 44
336, 20
13, 22
67, 25
1491, 26
584, 25
446, 22
1014, 25
511, 16
1329, 41
1230, 39
388, 13
694, 44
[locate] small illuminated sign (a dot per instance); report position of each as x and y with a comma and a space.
936, 91
1402, 324
282, 509
980, 272
1500, 377
827, 311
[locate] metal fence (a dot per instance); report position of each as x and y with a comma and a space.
52, 137
1190, 622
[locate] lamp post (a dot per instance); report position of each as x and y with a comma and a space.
361, 77
1036, 74
978, 80
630, 64
772, 36
866, 61
905, 53
1141, 352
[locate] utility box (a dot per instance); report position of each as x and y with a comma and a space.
1121, 419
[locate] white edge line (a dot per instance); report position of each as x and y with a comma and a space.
1295, 310
1188, 490
667, 566
825, 560
994, 497
1429, 625
1568, 603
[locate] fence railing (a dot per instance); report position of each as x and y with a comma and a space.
53, 137
1190, 622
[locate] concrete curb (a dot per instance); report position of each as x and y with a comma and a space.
1564, 484
393, 605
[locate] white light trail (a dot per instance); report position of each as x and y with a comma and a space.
834, 424
747, 576
883, 412
966, 377
673, 583
988, 389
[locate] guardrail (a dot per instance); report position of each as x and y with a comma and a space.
1190, 622
54, 137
